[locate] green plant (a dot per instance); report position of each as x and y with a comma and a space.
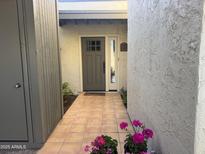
123, 94
102, 145
131, 147
66, 89
137, 143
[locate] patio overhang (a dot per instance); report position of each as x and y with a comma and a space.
93, 9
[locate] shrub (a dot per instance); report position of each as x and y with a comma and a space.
123, 94
66, 89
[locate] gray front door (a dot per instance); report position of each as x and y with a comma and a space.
93, 57
13, 125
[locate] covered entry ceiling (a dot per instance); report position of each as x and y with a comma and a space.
92, 9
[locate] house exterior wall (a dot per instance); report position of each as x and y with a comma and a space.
43, 65
38, 37
164, 42
48, 64
200, 108
70, 46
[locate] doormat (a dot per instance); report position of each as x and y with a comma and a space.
94, 94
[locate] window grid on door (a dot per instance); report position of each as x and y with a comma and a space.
93, 45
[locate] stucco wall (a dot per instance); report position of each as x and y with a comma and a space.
200, 116
164, 41
71, 48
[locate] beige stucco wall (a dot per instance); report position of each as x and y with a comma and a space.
71, 50
200, 108
163, 60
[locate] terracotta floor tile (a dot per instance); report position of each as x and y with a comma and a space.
87, 118
57, 135
121, 148
77, 128
109, 121
122, 137
94, 124
80, 121
50, 148
60, 128
109, 116
93, 128
122, 116
95, 116
55, 140
66, 122
109, 128
74, 137
89, 137
70, 148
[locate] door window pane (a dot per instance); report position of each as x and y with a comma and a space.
93, 45
112, 62
98, 43
98, 48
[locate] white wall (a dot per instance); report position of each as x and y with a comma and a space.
164, 41
95, 5
71, 50
200, 116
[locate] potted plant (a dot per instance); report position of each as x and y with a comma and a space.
102, 145
136, 143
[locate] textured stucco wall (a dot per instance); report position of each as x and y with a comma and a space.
164, 44
200, 116
71, 47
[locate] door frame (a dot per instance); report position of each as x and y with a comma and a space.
107, 36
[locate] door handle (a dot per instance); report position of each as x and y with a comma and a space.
18, 85
104, 67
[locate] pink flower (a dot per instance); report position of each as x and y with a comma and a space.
93, 143
87, 148
123, 125
100, 140
138, 138
148, 133
109, 151
144, 152
137, 123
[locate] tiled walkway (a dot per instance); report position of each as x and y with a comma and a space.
88, 117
